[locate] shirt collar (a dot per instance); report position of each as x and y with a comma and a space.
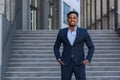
74, 29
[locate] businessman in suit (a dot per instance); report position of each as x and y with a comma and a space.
73, 59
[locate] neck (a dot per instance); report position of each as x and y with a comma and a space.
72, 28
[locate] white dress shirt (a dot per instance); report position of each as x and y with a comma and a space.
71, 35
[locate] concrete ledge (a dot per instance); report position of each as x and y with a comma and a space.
0, 46
5, 44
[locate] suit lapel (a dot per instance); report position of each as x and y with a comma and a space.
66, 31
77, 35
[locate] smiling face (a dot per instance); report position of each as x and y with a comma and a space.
72, 20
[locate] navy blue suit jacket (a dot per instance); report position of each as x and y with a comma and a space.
77, 50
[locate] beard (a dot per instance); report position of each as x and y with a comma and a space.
72, 25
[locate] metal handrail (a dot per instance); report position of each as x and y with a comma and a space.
118, 14
113, 9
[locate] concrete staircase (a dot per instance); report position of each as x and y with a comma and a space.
32, 56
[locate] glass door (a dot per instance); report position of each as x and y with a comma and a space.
33, 11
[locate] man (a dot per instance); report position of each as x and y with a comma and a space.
73, 59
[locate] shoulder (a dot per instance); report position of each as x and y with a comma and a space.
63, 30
82, 29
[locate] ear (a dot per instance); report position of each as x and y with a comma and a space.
67, 19
77, 19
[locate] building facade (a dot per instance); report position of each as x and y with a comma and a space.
51, 14
39, 14
100, 14
66, 6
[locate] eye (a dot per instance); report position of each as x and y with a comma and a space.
72, 18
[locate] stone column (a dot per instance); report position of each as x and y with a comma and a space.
119, 13
26, 15
8, 9
2, 6
45, 14
13, 10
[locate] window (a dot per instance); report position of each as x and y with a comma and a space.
66, 9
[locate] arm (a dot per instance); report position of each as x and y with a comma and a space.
57, 46
90, 46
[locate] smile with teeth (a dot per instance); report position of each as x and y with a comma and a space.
71, 22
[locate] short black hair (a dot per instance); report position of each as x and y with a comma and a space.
74, 12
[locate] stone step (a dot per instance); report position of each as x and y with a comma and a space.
55, 31
51, 51
102, 51
40, 64
57, 73
51, 47
54, 35
54, 60
54, 38
51, 44
52, 56
51, 65
42, 49
32, 56
52, 41
88, 68
58, 78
